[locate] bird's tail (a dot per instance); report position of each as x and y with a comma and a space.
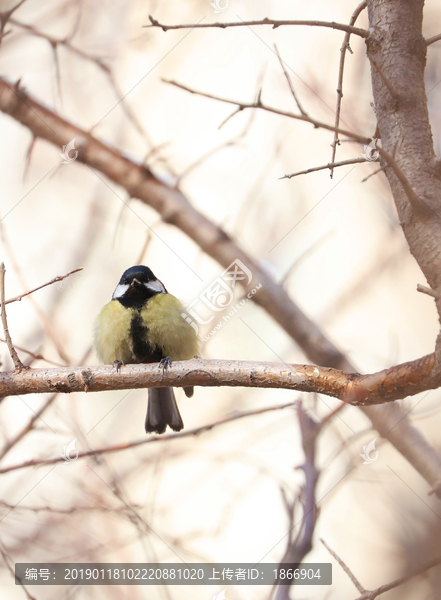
162, 410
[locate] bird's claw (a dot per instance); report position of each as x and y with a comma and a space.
165, 363
118, 364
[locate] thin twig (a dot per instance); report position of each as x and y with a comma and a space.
290, 83
372, 594
54, 280
19, 366
275, 23
343, 49
55, 42
345, 567
372, 174
259, 104
427, 290
414, 199
149, 440
350, 161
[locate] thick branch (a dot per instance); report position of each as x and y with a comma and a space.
397, 50
385, 386
275, 23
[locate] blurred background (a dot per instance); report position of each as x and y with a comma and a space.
336, 245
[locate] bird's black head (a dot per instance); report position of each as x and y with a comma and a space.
136, 286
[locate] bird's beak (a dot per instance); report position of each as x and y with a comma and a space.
135, 282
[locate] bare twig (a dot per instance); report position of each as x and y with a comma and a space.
342, 163
345, 567
372, 174
19, 366
343, 49
55, 42
260, 105
426, 290
54, 280
331, 25
416, 201
153, 439
290, 83
371, 595
6, 15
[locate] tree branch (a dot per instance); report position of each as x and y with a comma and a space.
418, 202
391, 384
343, 163
259, 104
275, 23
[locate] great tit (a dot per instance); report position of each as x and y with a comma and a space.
143, 324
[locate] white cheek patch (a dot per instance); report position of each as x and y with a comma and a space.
155, 286
121, 289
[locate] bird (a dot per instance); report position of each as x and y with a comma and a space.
143, 324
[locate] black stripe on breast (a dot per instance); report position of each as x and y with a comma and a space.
143, 351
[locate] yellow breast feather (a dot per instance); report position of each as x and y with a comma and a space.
112, 333
167, 329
